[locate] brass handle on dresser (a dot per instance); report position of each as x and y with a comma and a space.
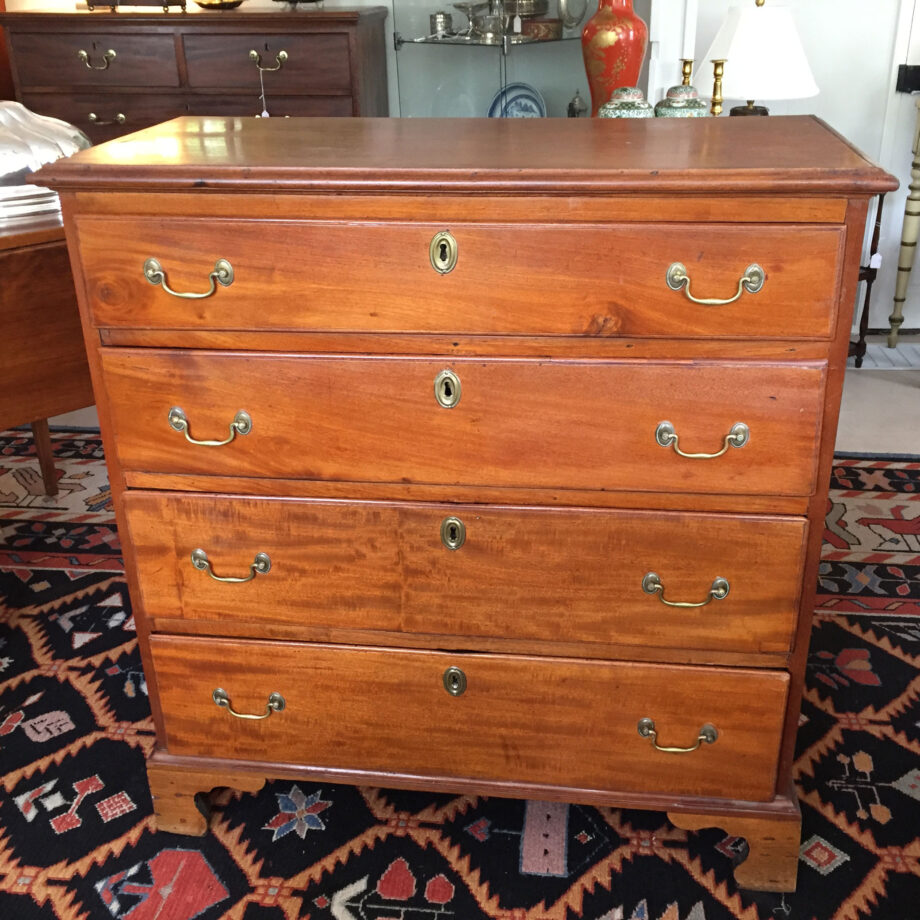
751, 281
275, 704
241, 424
119, 119
738, 436
107, 58
651, 584
260, 565
707, 735
222, 274
280, 58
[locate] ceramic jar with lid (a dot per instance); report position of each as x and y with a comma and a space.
681, 102
626, 102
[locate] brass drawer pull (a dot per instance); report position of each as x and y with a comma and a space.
447, 389
107, 58
241, 424
651, 584
751, 281
443, 252
738, 436
94, 119
453, 532
222, 274
275, 704
646, 729
260, 565
454, 681
280, 58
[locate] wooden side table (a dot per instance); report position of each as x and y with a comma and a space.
43, 368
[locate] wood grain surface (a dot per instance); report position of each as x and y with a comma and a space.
539, 720
509, 279
546, 424
558, 575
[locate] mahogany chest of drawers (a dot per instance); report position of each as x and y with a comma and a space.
482, 456
114, 73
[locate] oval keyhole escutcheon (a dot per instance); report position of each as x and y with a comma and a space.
453, 532
447, 389
443, 252
454, 681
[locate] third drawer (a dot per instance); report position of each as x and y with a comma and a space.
550, 575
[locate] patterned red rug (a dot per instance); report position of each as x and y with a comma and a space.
76, 832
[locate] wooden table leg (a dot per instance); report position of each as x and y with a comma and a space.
42, 439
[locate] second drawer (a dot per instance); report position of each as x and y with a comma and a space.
468, 571
598, 425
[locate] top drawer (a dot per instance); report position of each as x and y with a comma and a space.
290, 63
528, 279
76, 59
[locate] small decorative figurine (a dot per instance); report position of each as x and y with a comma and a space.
577, 106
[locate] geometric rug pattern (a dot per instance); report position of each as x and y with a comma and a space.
76, 829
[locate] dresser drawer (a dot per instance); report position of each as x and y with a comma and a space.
222, 104
518, 423
469, 571
567, 722
525, 280
54, 59
103, 116
294, 63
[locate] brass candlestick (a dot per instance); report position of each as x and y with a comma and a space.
718, 68
686, 71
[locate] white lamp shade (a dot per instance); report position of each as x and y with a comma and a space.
763, 54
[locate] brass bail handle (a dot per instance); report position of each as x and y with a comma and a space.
259, 566
178, 421
107, 57
751, 281
222, 274
280, 58
651, 584
707, 735
119, 119
275, 704
738, 436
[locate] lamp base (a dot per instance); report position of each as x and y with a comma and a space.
749, 109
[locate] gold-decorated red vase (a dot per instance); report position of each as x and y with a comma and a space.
613, 44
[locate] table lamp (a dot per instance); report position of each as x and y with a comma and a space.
757, 55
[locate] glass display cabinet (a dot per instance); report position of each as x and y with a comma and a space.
510, 58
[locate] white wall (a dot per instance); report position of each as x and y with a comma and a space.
853, 48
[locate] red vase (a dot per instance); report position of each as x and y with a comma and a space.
613, 44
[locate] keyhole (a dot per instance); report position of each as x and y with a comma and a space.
454, 681
443, 255
445, 388
453, 533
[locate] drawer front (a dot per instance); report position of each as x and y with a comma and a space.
311, 63
508, 280
471, 570
224, 105
518, 423
103, 116
521, 719
55, 59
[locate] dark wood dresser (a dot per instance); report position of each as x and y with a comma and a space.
114, 73
486, 456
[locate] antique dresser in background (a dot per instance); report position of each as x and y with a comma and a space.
484, 456
114, 73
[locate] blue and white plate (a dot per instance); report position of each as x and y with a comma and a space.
518, 100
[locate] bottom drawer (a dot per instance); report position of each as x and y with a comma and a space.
548, 721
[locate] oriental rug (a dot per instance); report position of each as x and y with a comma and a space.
76, 832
